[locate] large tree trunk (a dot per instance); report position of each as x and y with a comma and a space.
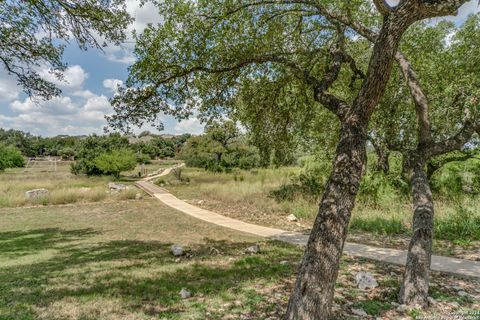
414, 290
313, 292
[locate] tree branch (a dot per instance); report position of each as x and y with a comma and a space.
382, 6
419, 98
457, 141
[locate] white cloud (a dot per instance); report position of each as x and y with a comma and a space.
73, 77
98, 103
9, 90
191, 125
55, 106
143, 15
112, 84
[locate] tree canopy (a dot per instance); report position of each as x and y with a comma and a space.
33, 35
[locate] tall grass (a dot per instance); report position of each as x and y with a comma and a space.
64, 187
380, 208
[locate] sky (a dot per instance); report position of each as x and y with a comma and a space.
90, 81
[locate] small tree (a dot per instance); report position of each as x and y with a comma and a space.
114, 162
10, 157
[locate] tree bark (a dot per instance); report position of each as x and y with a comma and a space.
382, 158
414, 290
313, 292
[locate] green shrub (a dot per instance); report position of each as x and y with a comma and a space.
464, 224
10, 157
143, 158
114, 162
308, 184
390, 226
91, 148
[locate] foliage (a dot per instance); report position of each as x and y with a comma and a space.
33, 34
309, 183
92, 147
116, 161
221, 148
463, 224
457, 178
379, 225
143, 158
10, 157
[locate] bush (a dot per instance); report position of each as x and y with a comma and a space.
10, 157
308, 184
91, 148
388, 226
457, 178
143, 158
463, 225
114, 162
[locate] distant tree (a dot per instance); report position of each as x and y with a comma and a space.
32, 33
221, 148
116, 161
92, 147
10, 157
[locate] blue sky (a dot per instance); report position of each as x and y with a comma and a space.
90, 80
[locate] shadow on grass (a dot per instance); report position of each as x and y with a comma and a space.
20, 243
141, 274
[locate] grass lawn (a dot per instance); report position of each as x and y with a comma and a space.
112, 261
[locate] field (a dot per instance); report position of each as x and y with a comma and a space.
109, 258
247, 196
64, 187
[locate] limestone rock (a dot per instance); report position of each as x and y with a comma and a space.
253, 249
402, 308
116, 186
359, 312
365, 280
185, 294
138, 196
36, 193
177, 250
292, 218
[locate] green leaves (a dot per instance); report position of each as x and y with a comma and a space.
33, 34
116, 161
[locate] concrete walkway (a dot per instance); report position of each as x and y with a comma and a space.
458, 267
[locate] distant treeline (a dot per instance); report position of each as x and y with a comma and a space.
65, 146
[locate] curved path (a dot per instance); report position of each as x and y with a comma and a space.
459, 267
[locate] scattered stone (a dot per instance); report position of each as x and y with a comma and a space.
292, 218
116, 187
284, 262
185, 294
431, 301
457, 288
178, 260
253, 249
201, 202
393, 274
84, 189
177, 250
215, 251
395, 304
359, 312
36, 193
365, 280
138, 196
402, 308
462, 293
455, 304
